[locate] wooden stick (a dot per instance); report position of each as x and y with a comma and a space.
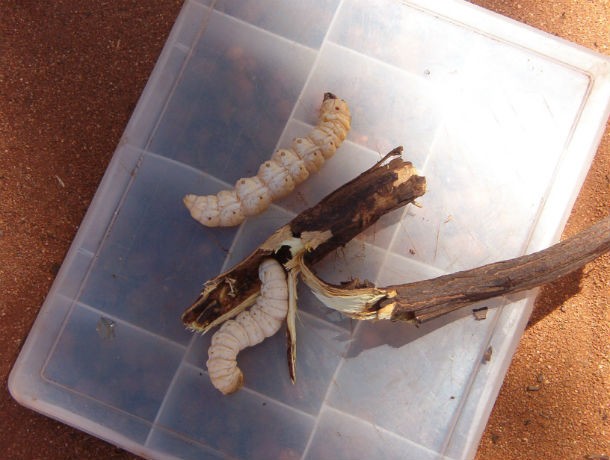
348, 211
334, 221
428, 299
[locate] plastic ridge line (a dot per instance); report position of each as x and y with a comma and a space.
467, 389
380, 429
263, 31
331, 384
180, 73
400, 70
258, 394
313, 67
511, 23
552, 184
138, 328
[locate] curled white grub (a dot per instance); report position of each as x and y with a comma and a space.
248, 328
278, 176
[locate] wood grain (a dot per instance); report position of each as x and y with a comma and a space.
425, 300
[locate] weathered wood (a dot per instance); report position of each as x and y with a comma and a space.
334, 221
348, 211
424, 300
345, 213
428, 299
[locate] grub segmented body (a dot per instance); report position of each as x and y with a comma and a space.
278, 176
249, 328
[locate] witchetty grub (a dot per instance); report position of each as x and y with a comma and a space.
278, 176
249, 328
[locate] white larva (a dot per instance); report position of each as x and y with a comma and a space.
278, 179
278, 176
309, 152
248, 328
291, 162
253, 194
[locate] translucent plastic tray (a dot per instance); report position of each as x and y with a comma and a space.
502, 119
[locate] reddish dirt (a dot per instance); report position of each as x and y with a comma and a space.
70, 75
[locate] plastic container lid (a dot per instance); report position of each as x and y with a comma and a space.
502, 119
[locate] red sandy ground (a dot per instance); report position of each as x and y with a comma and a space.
71, 72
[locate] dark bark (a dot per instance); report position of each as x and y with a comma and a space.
424, 300
346, 212
355, 206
